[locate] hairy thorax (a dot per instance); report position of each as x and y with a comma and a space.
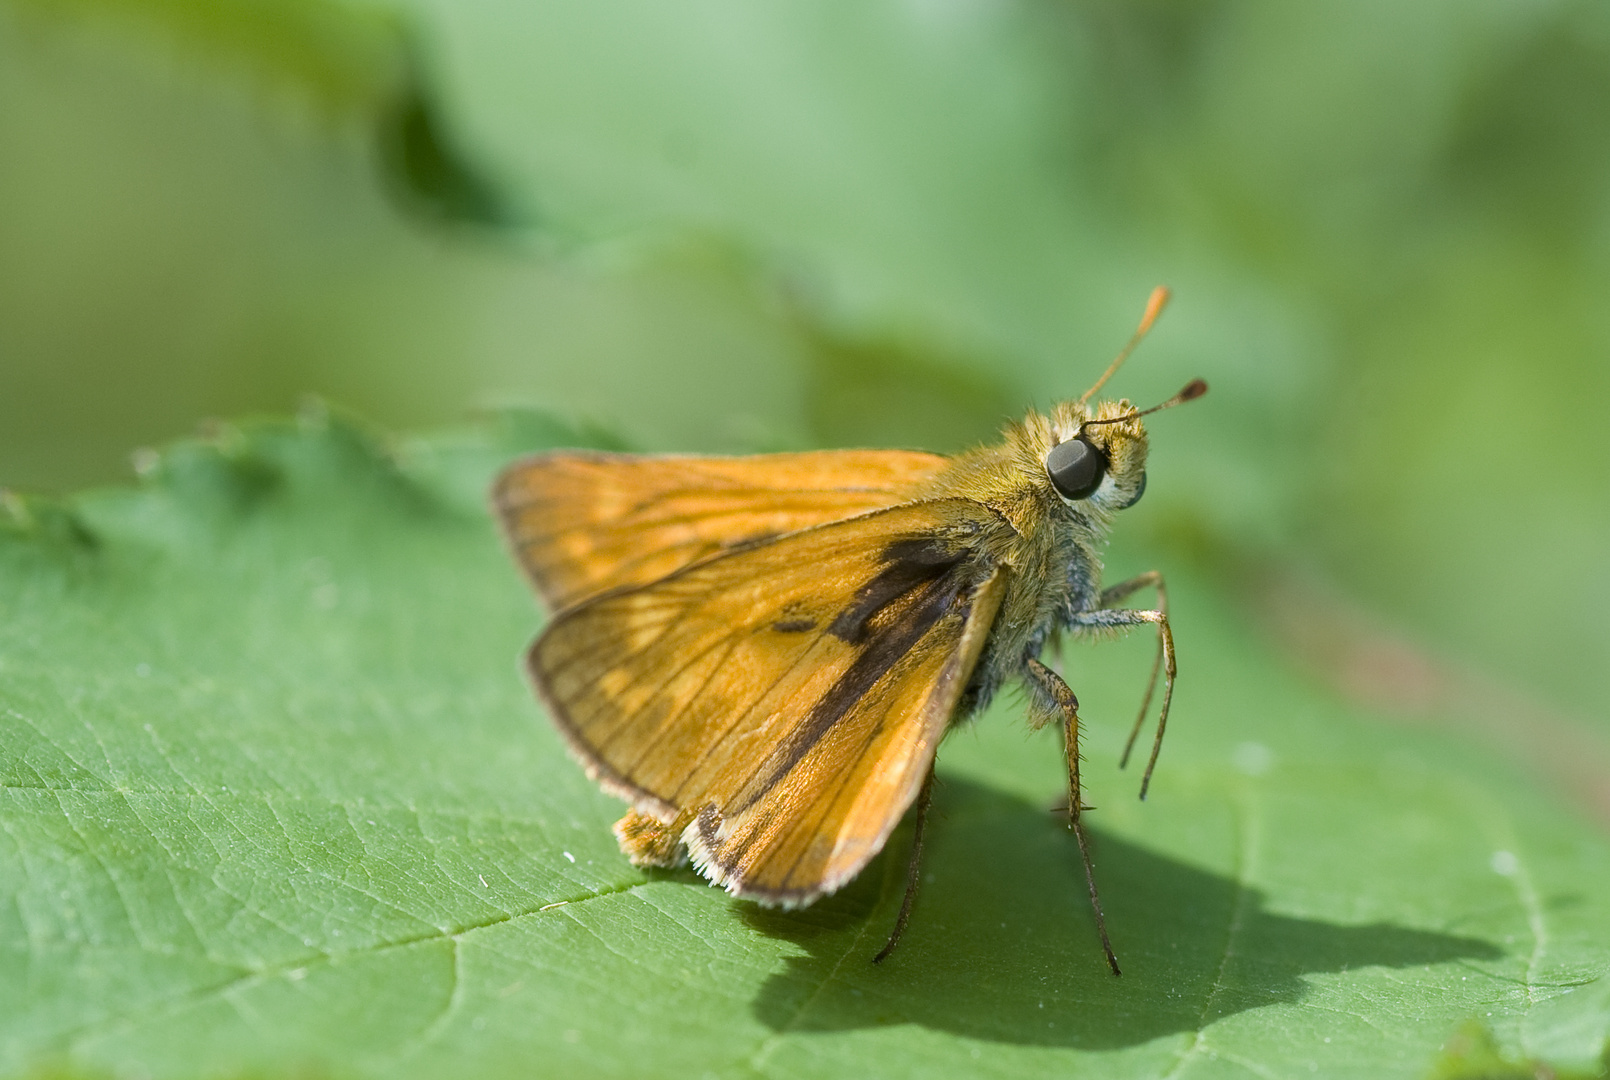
1047, 550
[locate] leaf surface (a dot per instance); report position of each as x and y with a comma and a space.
275, 801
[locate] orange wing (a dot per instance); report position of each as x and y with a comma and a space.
584, 522
779, 706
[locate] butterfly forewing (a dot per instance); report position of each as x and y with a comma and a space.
835, 807
785, 699
582, 522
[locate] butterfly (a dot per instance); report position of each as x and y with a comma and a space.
761, 654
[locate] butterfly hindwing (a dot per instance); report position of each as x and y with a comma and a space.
780, 703
581, 522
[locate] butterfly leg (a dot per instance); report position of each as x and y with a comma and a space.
1120, 618
912, 871
1049, 684
1109, 598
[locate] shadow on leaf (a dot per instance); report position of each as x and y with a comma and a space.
1002, 945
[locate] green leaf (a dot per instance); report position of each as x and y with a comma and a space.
347, 61
1472, 1054
275, 801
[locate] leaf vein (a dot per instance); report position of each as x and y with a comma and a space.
1247, 837
233, 985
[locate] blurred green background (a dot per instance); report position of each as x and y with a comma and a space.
725, 226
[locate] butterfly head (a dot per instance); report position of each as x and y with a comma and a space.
1098, 456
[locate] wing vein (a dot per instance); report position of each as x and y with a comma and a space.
741, 716
665, 724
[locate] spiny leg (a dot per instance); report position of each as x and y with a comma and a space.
1068, 705
1165, 638
1116, 618
913, 875
1113, 595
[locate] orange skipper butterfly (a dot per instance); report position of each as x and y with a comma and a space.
761, 654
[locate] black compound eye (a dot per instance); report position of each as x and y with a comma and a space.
1075, 468
1135, 498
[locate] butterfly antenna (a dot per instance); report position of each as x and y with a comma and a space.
1189, 392
1154, 308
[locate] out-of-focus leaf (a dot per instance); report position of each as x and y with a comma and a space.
275, 801
1473, 1054
350, 62
1384, 227
172, 248
345, 58
1384, 230
886, 392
